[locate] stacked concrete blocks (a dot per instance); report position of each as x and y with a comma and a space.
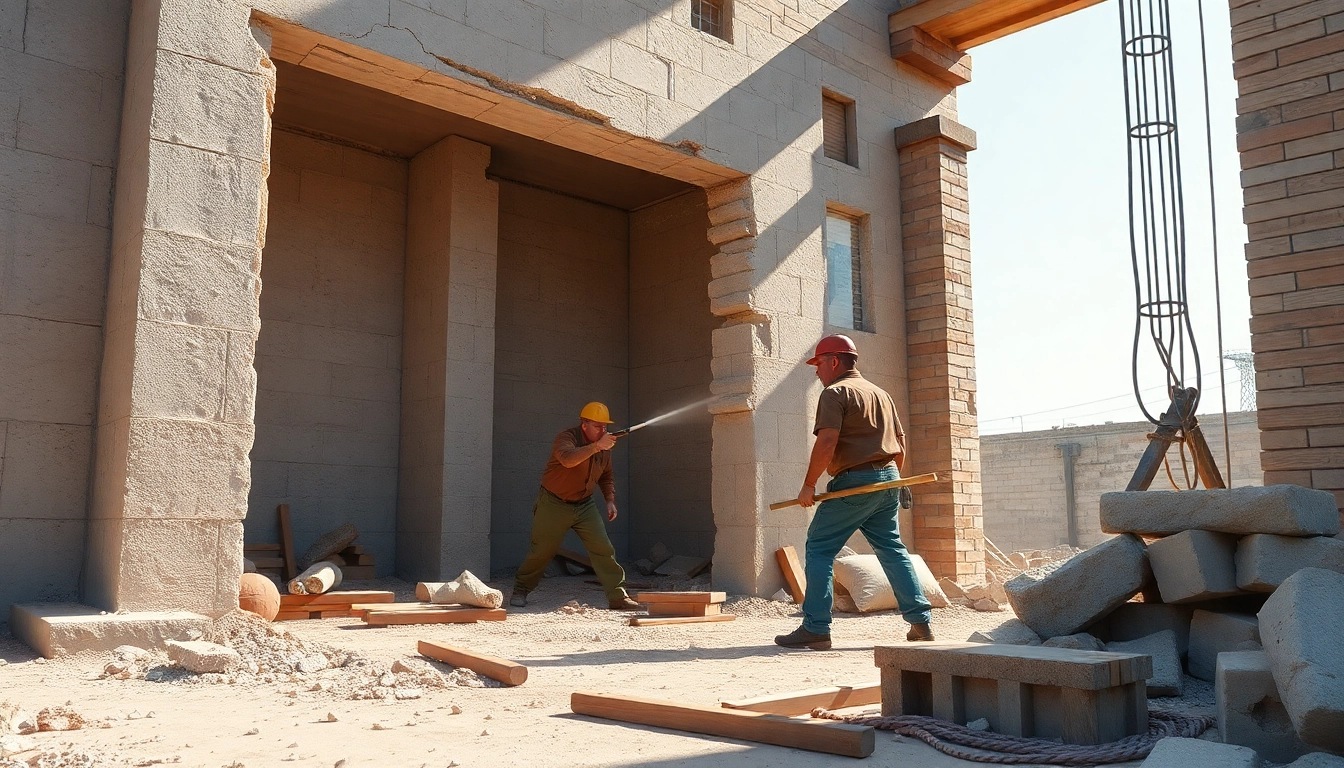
1161, 646
1067, 598
1264, 560
1286, 510
1197, 753
1132, 621
1194, 565
1301, 626
1250, 711
1212, 633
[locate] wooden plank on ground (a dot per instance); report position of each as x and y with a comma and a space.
286, 541
401, 606
684, 609
658, 621
826, 736
578, 558
793, 572
680, 597
441, 616
503, 670
803, 702
339, 598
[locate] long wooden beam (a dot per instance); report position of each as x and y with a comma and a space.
815, 735
503, 670
967, 23
803, 702
658, 621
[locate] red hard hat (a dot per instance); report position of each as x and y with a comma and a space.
835, 343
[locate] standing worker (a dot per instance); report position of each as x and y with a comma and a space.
580, 461
859, 442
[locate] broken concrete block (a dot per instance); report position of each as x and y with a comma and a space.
1063, 599
682, 567
1174, 752
58, 629
1132, 621
659, 554
1078, 642
951, 588
1287, 510
645, 567
986, 605
1213, 633
200, 656
1301, 625
1263, 560
1194, 565
1250, 711
1166, 679
1010, 632
1317, 760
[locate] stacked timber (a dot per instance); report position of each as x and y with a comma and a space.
681, 608
355, 562
330, 605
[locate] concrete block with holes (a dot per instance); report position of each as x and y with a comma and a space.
1250, 710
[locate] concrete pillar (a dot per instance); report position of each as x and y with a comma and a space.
448, 363
177, 386
943, 434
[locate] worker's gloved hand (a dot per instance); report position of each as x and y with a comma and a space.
907, 498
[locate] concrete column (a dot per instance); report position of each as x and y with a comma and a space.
448, 363
177, 386
943, 434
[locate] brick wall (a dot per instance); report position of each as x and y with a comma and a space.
329, 354
1290, 131
1023, 476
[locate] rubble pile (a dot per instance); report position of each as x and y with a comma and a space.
1244, 587
990, 595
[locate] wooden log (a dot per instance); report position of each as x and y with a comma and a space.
316, 579
503, 670
803, 702
680, 597
658, 621
346, 597
826, 736
286, 541
440, 616
794, 577
684, 609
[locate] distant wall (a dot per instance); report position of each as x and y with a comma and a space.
1025, 504
670, 352
329, 354
561, 340
60, 119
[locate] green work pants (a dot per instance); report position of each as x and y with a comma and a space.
551, 518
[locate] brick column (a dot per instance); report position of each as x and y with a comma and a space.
1290, 134
943, 436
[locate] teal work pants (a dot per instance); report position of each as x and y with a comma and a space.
551, 518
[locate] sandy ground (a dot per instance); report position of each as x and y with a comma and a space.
250, 724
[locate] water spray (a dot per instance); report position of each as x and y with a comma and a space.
656, 419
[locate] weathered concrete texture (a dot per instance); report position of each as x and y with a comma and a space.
1065, 599
1250, 711
60, 629
1264, 560
1132, 621
1166, 679
1010, 632
200, 656
1080, 641
1301, 625
1317, 760
1213, 633
1287, 510
1194, 565
1174, 752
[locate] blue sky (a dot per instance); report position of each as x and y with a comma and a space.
1052, 280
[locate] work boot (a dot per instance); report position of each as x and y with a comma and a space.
919, 633
801, 638
519, 599
624, 604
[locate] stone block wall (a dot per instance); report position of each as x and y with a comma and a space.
329, 353
562, 340
1290, 132
60, 115
1023, 476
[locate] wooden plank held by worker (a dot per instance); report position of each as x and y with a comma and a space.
803, 702
826, 736
503, 670
658, 621
874, 488
787, 557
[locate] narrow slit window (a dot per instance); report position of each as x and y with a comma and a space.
835, 117
710, 17
844, 274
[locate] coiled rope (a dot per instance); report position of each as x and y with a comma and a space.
985, 747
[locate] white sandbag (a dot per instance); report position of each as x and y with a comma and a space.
863, 578
467, 590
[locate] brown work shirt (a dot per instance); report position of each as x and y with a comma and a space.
576, 483
870, 430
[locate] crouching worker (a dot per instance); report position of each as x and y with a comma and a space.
580, 462
859, 442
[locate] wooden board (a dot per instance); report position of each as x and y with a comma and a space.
578, 558
261, 547
803, 702
339, 598
353, 549
684, 609
269, 563
503, 670
357, 572
681, 597
286, 541
826, 736
449, 616
787, 557
401, 607
658, 621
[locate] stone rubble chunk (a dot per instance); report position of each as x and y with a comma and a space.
1301, 625
951, 588
1317, 760
1194, 565
1080, 641
1010, 632
645, 567
1134, 620
1264, 560
1166, 679
1063, 599
1173, 752
1250, 711
682, 567
658, 554
12, 745
200, 656
986, 605
1212, 633
1287, 510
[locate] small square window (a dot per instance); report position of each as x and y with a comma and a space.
837, 129
711, 17
844, 273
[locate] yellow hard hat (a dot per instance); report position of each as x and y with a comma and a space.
596, 412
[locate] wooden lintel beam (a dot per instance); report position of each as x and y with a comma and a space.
964, 24
803, 702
